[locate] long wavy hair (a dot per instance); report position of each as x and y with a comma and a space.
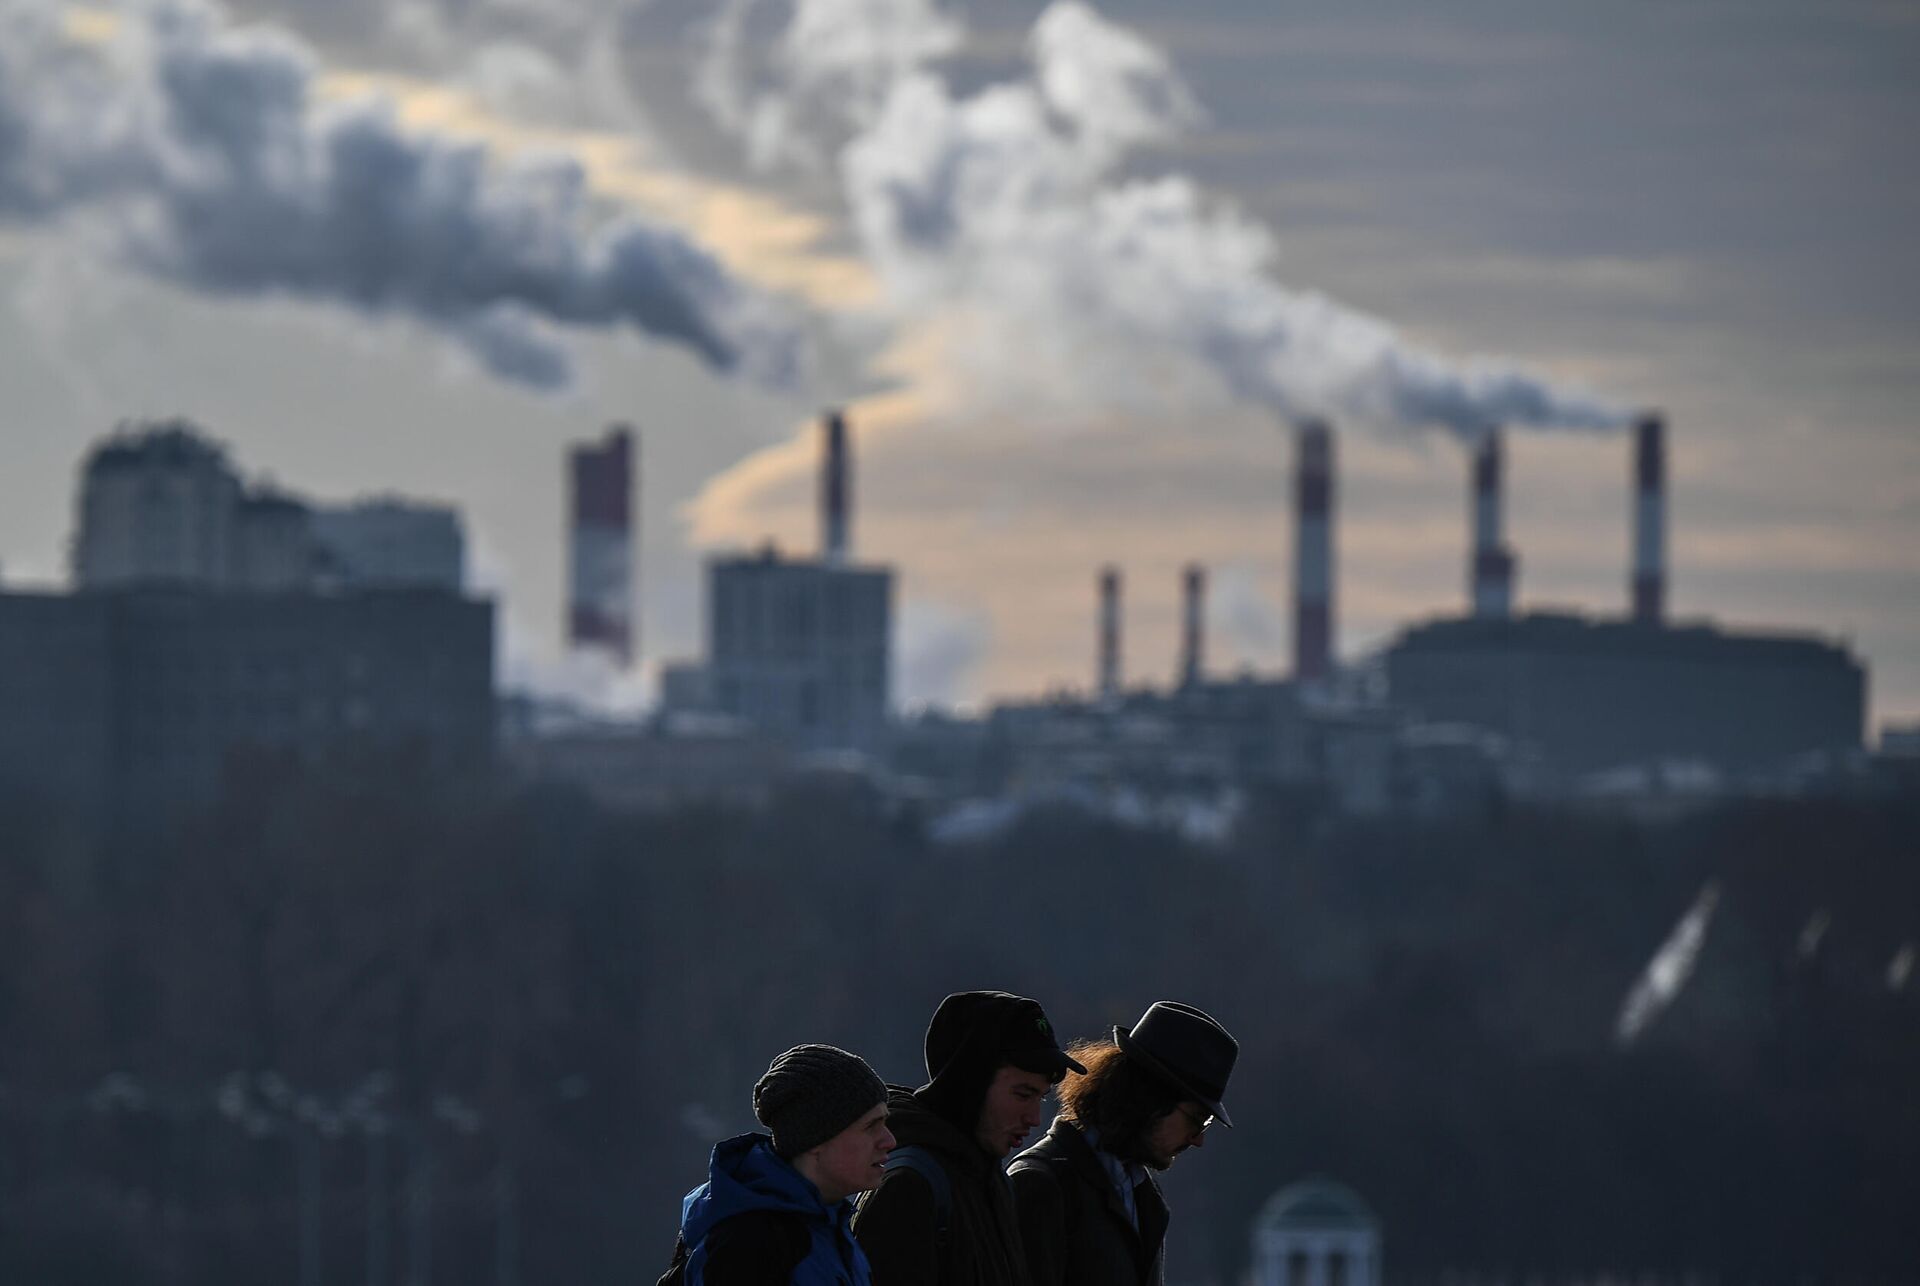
1118, 1097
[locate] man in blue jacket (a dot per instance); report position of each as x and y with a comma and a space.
774, 1209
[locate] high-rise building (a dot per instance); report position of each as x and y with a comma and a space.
158, 504
161, 505
391, 543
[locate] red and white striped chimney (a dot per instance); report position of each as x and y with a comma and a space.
1313, 552
1193, 601
1491, 573
836, 490
600, 545
1650, 519
1109, 632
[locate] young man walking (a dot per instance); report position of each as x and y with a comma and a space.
943, 1215
774, 1210
1090, 1212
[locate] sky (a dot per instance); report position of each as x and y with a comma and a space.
1073, 268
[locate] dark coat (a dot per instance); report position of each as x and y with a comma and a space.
1072, 1221
897, 1226
757, 1221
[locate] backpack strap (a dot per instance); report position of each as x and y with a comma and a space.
923, 1163
676, 1273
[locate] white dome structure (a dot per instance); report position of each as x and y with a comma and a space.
1316, 1233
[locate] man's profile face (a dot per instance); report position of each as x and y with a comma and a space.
855, 1159
1182, 1128
1011, 1110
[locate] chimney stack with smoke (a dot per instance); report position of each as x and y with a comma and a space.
600, 545
1313, 553
1109, 632
1650, 519
1491, 573
1193, 600
836, 490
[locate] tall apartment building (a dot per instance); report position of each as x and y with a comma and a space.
161, 504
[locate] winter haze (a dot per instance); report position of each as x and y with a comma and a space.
1072, 268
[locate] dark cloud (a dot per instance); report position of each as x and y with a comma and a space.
211, 165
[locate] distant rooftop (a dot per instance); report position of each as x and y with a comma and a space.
769, 556
144, 443
1567, 633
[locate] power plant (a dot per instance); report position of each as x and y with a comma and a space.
1550, 698
799, 649
173, 552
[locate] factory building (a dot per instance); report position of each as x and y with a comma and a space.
143, 699
1584, 695
800, 649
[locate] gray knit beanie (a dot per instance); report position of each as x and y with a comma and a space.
811, 1093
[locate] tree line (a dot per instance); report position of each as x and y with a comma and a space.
374, 1026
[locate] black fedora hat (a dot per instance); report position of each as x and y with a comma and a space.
1186, 1048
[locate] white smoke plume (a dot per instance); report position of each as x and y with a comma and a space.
1667, 973
830, 71
1010, 208
940, 647
197, 151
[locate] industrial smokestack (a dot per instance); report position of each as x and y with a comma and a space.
1491, 573
1650, 519
1109, 632
1193, 598
836, 490
601, 546
1313, 553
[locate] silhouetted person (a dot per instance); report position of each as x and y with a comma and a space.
1090, 1211
943, 1215
774, 1210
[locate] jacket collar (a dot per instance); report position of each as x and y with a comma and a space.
1068, 1142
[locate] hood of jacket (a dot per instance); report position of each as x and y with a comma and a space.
916, 1124
746, 1174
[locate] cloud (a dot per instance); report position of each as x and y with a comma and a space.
198, 151
1063, 278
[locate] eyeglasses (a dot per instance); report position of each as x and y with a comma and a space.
1198, 1122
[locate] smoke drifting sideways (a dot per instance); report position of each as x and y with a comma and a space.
1013, 207
197, 152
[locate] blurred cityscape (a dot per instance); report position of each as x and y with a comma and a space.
211, 619
1562, 948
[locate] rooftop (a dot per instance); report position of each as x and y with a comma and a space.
1318, 1203
1615, 636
